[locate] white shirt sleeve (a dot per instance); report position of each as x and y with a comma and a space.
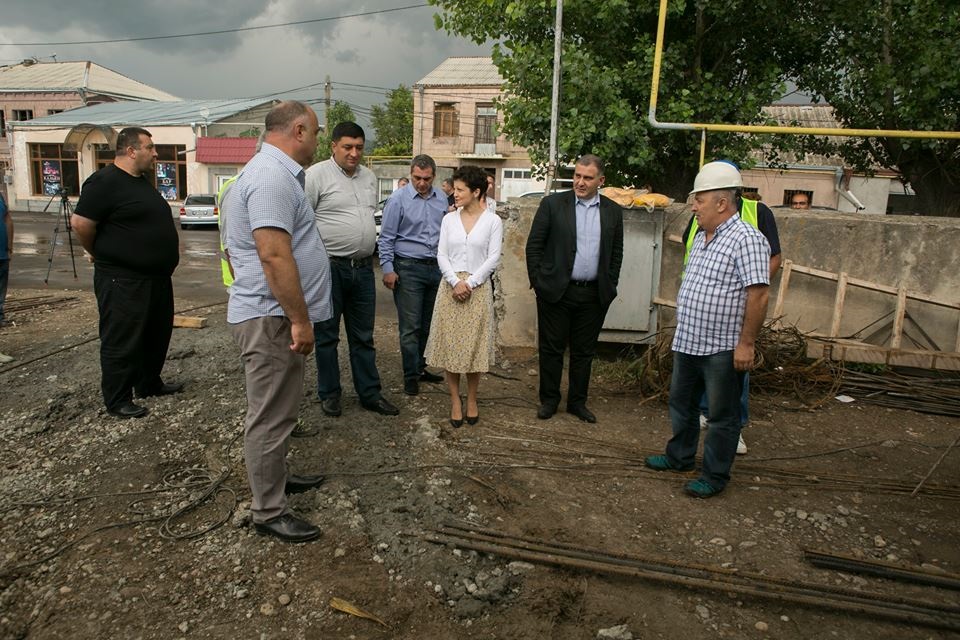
489, 259
446, 245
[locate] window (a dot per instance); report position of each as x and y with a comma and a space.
51, 112
446, 123
103, 155
517, 174
170, 176
53, 167
22, 114
3, 124
485, 129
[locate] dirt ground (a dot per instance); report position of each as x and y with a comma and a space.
92, 544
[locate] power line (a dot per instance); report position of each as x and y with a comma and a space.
214, 33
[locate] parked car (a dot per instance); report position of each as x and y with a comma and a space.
378, 215
200, 209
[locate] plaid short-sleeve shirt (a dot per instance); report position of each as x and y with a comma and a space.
713, 293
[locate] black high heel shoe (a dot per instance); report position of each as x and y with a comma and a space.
473, 419
456, 424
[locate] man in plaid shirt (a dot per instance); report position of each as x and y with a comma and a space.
721, 306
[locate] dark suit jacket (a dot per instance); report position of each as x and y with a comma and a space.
552, 246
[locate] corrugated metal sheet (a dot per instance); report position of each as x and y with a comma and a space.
478, 71
174, 113
225, 150
72, 76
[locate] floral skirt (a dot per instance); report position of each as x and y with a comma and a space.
461, 333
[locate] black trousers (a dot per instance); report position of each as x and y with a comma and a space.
575, 322
136, 322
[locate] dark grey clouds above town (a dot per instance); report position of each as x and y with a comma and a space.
381, 50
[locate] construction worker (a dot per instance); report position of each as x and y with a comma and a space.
760, 217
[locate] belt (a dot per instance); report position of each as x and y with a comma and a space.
356, 263
430, 261
584, 283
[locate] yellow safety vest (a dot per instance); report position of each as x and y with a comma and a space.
748, 213
224, 264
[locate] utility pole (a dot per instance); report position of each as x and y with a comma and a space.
555, 97
326, 111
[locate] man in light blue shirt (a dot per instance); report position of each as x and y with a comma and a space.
281, 287
409, 235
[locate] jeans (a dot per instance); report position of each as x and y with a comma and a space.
744, 402
354, 297
4, 279
694, 376
414, 296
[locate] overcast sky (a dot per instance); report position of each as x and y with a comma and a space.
381, 50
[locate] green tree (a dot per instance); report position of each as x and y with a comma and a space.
339, 112
889, 64
716, 67
393, 123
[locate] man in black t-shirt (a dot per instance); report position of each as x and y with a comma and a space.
126, 226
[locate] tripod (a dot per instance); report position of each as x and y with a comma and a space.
63, 217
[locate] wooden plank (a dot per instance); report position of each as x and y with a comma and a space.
866, 284
663, 302
675, 238
782, 292
851, 351
189, 322
838, 304
897, 335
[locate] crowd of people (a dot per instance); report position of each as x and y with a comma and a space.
298, 241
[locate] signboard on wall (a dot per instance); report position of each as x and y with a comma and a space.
51, 177
167, 180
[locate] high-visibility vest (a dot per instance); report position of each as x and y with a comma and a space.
748, 213
224, 264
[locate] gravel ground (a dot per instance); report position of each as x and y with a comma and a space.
140, 529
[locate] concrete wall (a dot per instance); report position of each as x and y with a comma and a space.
918, 252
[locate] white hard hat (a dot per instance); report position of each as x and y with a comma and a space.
717, 175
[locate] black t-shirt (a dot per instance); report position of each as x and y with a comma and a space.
136, 235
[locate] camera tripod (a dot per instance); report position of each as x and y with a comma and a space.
63, 218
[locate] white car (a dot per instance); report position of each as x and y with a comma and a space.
199, 209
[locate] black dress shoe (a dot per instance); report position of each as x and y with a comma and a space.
472, 419
299, 484
426, 376
411, 387
546, 411
583, 413
456, 424
128, 410
381, 406
331, 407
288, 528
166, 389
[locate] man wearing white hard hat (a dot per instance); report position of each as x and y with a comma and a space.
721, 306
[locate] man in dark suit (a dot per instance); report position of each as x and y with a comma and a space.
574, 253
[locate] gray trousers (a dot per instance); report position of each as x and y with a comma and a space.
274, 376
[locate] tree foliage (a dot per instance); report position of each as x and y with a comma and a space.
339, 112
393, 123
887, 64
716, 67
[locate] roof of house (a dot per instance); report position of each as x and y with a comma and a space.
225, 150
474, 71
75, 76
146, 114
801, 115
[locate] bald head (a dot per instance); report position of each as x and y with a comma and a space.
292, 127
